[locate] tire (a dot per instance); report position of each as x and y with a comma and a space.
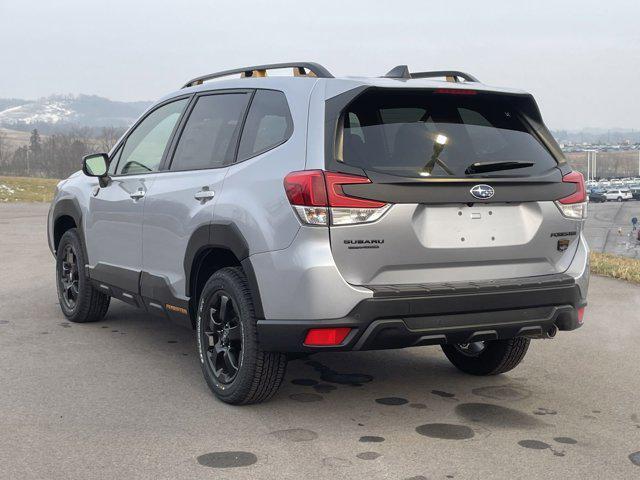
236, 370
79, 300
619, 199
496, 356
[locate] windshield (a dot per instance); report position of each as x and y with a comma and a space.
437, 134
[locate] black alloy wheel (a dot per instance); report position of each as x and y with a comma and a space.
233, 363
68, 277
223, 337
79, 300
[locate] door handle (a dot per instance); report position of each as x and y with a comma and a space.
138, 194
204, 194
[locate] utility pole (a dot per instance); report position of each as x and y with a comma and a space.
588, 165
592, 162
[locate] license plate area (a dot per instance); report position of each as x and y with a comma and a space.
477, 226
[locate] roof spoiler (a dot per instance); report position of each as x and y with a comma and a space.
402, 71
300, 69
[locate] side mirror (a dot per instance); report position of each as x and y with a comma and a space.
96, 165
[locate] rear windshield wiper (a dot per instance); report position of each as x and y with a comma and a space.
483, 167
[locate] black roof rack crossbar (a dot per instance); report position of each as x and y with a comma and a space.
315, 70
402, 71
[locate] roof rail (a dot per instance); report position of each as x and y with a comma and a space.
402, 71
300, 69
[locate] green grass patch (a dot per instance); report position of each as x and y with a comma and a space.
26, 189
615, 266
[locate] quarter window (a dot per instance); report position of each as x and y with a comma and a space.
113, 161
210, 135
145, 146
268, 124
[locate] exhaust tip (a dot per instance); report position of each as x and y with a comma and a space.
552, 332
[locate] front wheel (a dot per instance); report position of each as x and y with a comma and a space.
235, 368
79, 300
487, 358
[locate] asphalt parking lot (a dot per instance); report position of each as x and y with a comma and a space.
124, 398
609, 229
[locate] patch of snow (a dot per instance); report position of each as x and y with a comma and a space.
50, 111
6, 189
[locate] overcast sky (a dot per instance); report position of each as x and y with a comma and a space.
580, 58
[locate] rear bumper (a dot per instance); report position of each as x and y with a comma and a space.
404, 316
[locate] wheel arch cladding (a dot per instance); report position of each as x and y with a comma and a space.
61, 225
210, 248
66, 215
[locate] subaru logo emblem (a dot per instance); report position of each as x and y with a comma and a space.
483, 192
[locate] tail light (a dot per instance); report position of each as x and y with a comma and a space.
575, 205
318, 199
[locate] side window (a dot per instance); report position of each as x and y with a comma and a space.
145, 146
210, 135
268, 124
113, 161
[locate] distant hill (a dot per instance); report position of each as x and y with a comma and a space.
597, 135
64, 110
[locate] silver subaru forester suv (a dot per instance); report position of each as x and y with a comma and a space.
288, 215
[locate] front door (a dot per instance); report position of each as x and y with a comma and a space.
113, 227
180, 202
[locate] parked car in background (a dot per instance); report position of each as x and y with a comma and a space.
618, 194
597, 196
635, 193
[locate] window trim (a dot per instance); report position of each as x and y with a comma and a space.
265, 150
165, 166
167, 158
125, 137
116, 153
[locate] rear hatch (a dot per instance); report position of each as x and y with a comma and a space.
472, 179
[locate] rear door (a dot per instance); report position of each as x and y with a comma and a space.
472, 182
181, 201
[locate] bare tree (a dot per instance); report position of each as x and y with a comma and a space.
108, 137
4, 153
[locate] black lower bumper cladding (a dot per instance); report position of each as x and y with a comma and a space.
429, 314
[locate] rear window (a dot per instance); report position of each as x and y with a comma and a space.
442, 135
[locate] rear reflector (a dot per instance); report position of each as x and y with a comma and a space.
319, 199
580, 314
317, 337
